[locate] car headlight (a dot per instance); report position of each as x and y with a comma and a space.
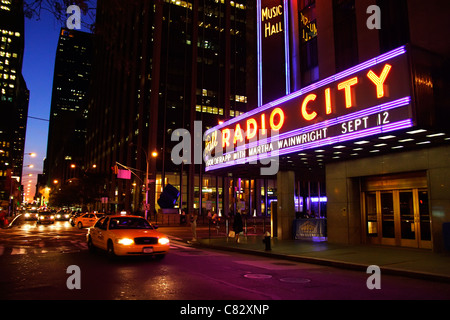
125, 241
58, 216
163, 241
27, 215
41, 217
52, 217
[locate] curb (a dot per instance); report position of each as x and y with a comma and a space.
12, 222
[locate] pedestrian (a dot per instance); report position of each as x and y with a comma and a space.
193, 221
237, 225
183, 217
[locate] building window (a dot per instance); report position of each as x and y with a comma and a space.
309, 56
345, 36
395, 15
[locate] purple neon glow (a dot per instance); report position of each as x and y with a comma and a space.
368, 64
259, 52
286, 47
327, 123
404, 124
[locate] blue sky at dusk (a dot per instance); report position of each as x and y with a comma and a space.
41, 40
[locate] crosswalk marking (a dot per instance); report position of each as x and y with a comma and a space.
17, 251
74, 246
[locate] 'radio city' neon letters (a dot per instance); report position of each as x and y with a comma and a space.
276, 122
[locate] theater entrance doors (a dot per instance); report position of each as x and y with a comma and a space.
398, 217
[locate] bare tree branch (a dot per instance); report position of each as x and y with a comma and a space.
34, 8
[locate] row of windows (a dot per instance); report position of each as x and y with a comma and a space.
6, 69
7, 76
9, 99
8, 54
211, 93
5, 85
10, 33
188, 5
215, 110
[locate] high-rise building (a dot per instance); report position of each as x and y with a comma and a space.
14, 97
68, 113
160, 66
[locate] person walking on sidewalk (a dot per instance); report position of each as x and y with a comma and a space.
193, 222
237, 225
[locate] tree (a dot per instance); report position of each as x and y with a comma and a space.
58, 8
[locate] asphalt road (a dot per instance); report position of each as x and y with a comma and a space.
35, 260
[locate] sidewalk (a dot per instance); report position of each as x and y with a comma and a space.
417, 263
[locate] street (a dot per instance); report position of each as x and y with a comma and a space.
34, 262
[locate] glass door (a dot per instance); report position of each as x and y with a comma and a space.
408, 223
398, 217
387, 217
424, 220
372, 219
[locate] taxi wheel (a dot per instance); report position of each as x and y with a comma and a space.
110, 249
90, 245
80, 225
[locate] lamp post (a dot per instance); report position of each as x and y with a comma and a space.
154, 155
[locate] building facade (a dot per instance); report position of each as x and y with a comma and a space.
161, 66
359, 137
14, 97
68, 111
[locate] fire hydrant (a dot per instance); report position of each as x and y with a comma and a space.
266, 241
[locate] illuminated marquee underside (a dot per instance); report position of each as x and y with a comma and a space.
369, 99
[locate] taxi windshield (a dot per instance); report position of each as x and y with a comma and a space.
129, 223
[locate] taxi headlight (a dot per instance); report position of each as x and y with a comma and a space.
163, 241
125, 241
58, 216
52, 217
27, 215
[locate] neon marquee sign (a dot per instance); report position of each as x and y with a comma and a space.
369, 99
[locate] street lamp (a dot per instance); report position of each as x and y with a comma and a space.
154, 155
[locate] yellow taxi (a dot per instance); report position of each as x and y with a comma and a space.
123, 235
86, 220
